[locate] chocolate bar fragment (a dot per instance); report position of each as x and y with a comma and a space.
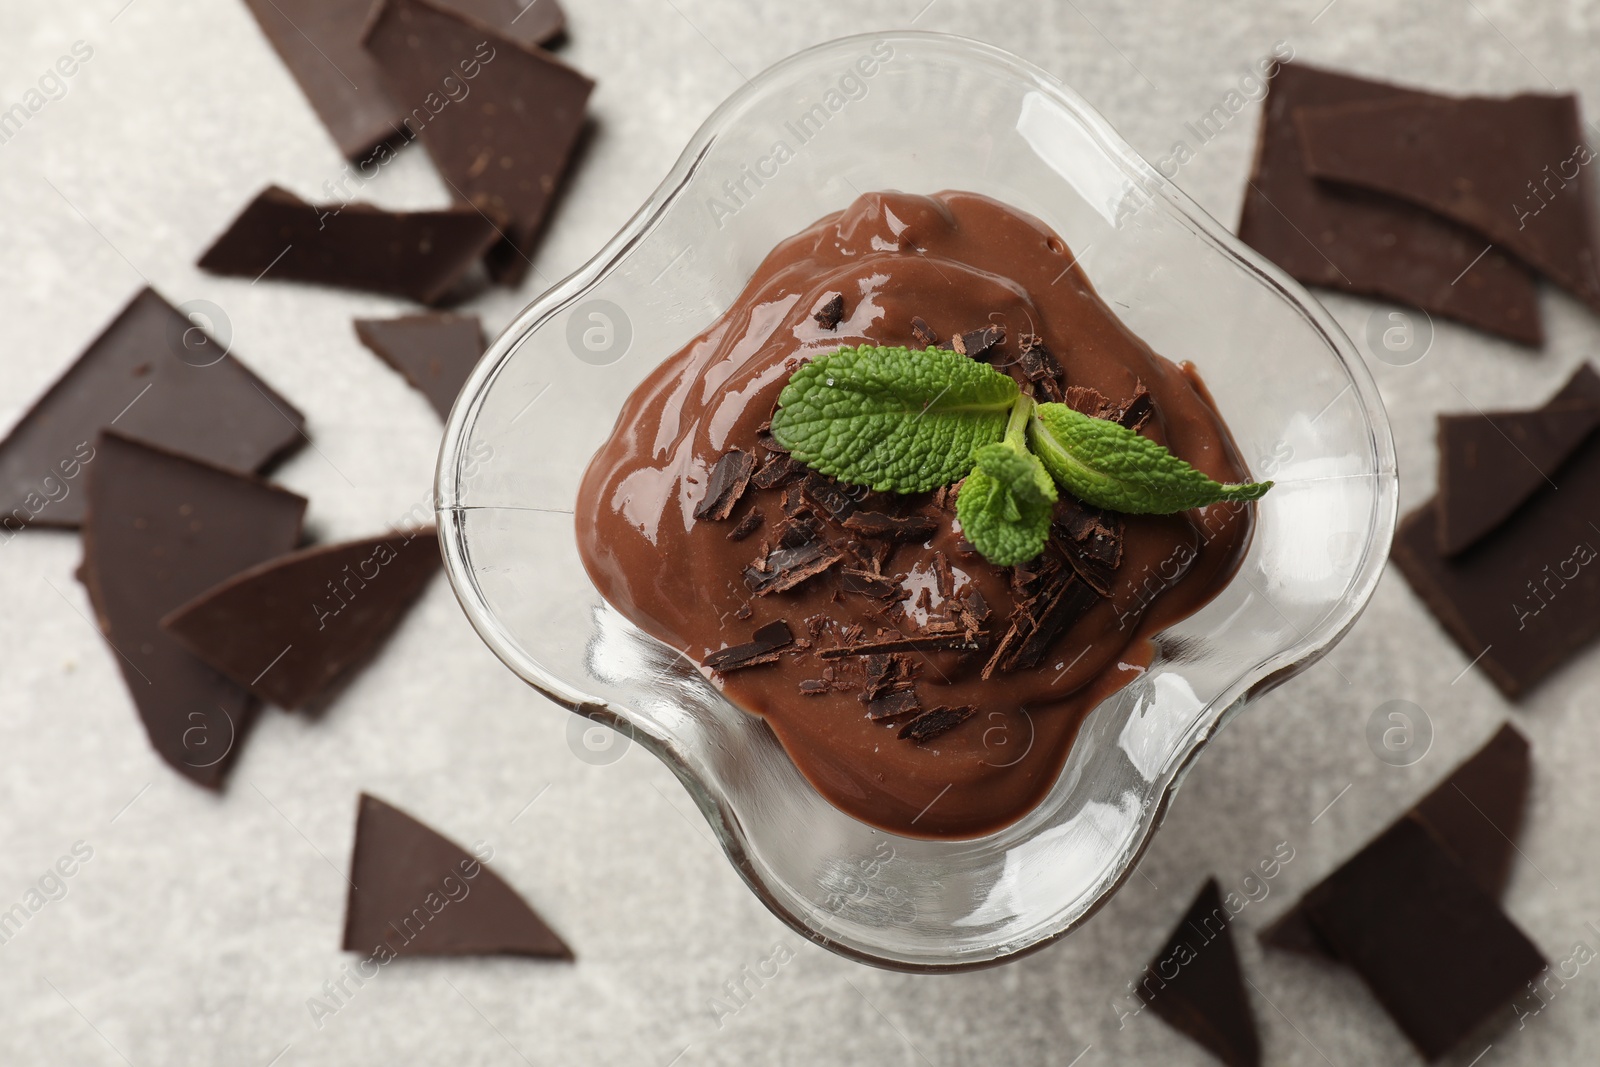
788, 567
161, 529
1490, 463
876, 524
762, 647
156, 377
506, 147
1434, 948
978, 343
294, 627
926, 642
1362, 242
1196, 985
529, 23
892, 706
414, 892
726, 486
420, 255
831, 313
1039, 621
935, 722
1512, 168
434, 352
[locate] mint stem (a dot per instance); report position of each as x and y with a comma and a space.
1017, 425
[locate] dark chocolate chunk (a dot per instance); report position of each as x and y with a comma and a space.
892, 706
1434, 948
912, 528
762, 647
529, 23
935, 722
156, 377
434, 352
1036, 623
788, 567
923, 333
1038, 365
925, 642
1196, 985
746, 526
1491, 462
1361, 242
826, 494
726, 486
978, 343
1087, 400
420, 255
831, 313
798, 532
414, 892
506, 147
1132, 414
292, 628
853, 580
1091, 540
779, 469
1514, 168
160, 530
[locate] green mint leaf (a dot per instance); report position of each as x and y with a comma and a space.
1005, 504
1110, 466
893, 418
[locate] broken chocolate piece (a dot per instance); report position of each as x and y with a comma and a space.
1362, 242
1498, 165
292, 628
507, 150
831, 313
911, 528
1090, 539
788, 567
1039, 621
726, 486
977, 343
420, 255
414, 892
529, 23
1196, 985
1433, 947
434, 352
779, 469
924, 642
762, 647
746, 526
936, 721
159, 378
923, 333
827, 494
1132, 414
1039, 366
854, 580
896, 705
1087, 400
160, 530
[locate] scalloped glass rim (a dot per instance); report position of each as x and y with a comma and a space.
895, 902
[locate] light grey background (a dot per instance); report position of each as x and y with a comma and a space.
203, 924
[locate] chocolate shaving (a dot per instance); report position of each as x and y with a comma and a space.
977, 343
1133, 414
728, 481
1039, 620
943, 577
936, 721
762, 647
923, 333
779, 469
831, 313
1038, 364
893, 706
788, 567
765, 439
826, 494
748, 525
913, 528
1087, 400
936, 642
1091, 540
853, 580
796, 533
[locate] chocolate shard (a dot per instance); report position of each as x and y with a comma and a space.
908, 528
893, 706
762, 647
799, 532
1499, 165
726, 486
508, 149
1475, 813
855, 580
1435, 949
294, 627
1133, 413
1087, 400
1361, 242
1091, 541
1039, 366
161, 529
922, 333
420, 255
935, 722
746, 526
978, 343
160, 379
779, 469
406, 896
831, 314
1039, 621
788, 567
1196, 985
826, 493
434, 352
924, 642
1490, 463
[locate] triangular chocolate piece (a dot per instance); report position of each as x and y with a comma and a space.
504, 147
160, 529
1475, 813
1195, 984
1435, 949
1361, 242
525, 22
290, 628
434, 352
157, 377
1513, 168
415, 892
420, 255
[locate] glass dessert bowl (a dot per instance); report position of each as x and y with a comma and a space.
918, 112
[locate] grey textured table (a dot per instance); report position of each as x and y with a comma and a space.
203, 924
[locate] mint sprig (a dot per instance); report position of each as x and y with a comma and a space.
907, 421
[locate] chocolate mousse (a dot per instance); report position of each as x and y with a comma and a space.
918, 686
